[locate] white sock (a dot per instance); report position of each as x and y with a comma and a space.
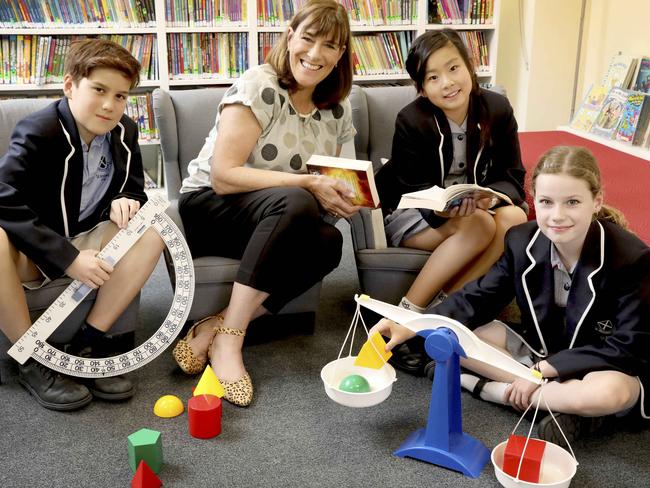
438, 299
408, 305
493, 391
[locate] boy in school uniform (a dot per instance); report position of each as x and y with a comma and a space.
72, 177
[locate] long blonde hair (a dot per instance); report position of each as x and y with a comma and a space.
580, 163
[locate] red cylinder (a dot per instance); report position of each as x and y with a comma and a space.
204, 414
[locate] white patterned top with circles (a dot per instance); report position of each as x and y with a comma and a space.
288, 139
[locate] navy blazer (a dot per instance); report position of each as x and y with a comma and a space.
422, 150
41, 178
608, 309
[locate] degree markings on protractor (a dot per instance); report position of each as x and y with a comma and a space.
34, 342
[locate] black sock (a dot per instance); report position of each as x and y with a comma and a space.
86, 337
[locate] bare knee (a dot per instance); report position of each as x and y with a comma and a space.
611, 395
7, 249
506, 217
493, 333
152, 241
479, 227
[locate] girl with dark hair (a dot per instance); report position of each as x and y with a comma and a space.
454, 132
248, 195
582, 283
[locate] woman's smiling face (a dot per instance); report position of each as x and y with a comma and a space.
312, 57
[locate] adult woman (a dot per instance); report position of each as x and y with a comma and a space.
248, 195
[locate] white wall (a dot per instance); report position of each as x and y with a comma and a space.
536, 64
612, 26
541, 91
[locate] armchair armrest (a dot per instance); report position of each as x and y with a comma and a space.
367, 229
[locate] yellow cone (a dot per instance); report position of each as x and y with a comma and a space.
209, 384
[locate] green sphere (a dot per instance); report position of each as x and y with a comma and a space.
354, 383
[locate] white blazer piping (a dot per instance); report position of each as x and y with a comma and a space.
442, 161
65, 176
128, 158
591, 284
527, 293
642, 399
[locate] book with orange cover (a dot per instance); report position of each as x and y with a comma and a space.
357, 175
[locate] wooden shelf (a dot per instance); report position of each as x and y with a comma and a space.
637, 151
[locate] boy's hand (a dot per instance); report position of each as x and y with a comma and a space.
122, 210
397, 333
89, 269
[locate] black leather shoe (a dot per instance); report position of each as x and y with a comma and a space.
430, 369
573, 426
410, 357
112, 388
52, 390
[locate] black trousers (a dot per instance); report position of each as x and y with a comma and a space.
279, 235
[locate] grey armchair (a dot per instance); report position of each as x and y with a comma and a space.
384, 274
184, 119
12, 111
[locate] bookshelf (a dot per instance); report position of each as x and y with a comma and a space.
639, 152
379, 24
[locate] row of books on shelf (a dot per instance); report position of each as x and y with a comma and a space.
90, 13
618, 107
461, 11
207, 55
381, 54
362, 12
615, 113
205, 13
266, 41
381, 12
39, 59
478, 49
140, 109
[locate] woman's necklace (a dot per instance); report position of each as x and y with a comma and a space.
304, 107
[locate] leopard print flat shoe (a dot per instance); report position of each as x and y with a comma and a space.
183, 354
238, 392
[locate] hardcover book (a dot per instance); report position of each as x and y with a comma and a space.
357, 175
590, 108
636, 103
642, 82
444, 199
610, 115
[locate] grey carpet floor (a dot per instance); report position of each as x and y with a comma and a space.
292, 435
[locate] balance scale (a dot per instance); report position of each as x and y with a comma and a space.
442, 441
33, 343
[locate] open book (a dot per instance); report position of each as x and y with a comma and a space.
444, 199
357, 175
